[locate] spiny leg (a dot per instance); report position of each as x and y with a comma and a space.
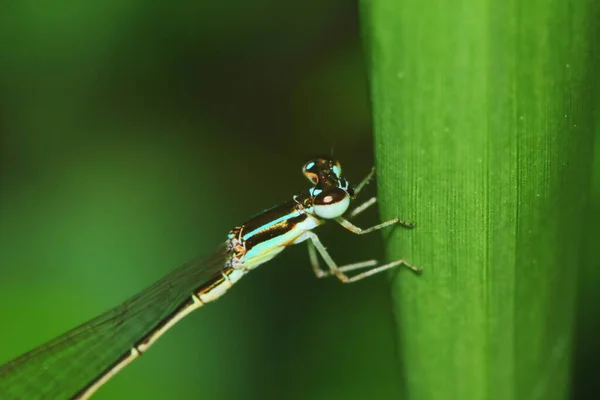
357, 190
368, 204
371, 201
359, 231
320, 273
364, 182
362, 207
314, 261
339, 273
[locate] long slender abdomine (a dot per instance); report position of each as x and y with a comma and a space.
210, 291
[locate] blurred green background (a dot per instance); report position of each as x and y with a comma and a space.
133, 136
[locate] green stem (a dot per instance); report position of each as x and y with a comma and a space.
484, 115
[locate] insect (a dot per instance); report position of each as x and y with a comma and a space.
77, 363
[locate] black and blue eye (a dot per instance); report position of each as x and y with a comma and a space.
311, 170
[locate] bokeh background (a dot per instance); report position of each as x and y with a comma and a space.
134, 135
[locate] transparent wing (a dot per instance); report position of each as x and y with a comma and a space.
61, 367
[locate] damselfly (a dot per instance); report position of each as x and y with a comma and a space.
77, 363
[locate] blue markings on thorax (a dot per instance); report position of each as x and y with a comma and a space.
271, 223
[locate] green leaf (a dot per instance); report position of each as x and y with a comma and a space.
484, 120
586, 361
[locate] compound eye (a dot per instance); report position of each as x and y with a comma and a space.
310, 170
331, 203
